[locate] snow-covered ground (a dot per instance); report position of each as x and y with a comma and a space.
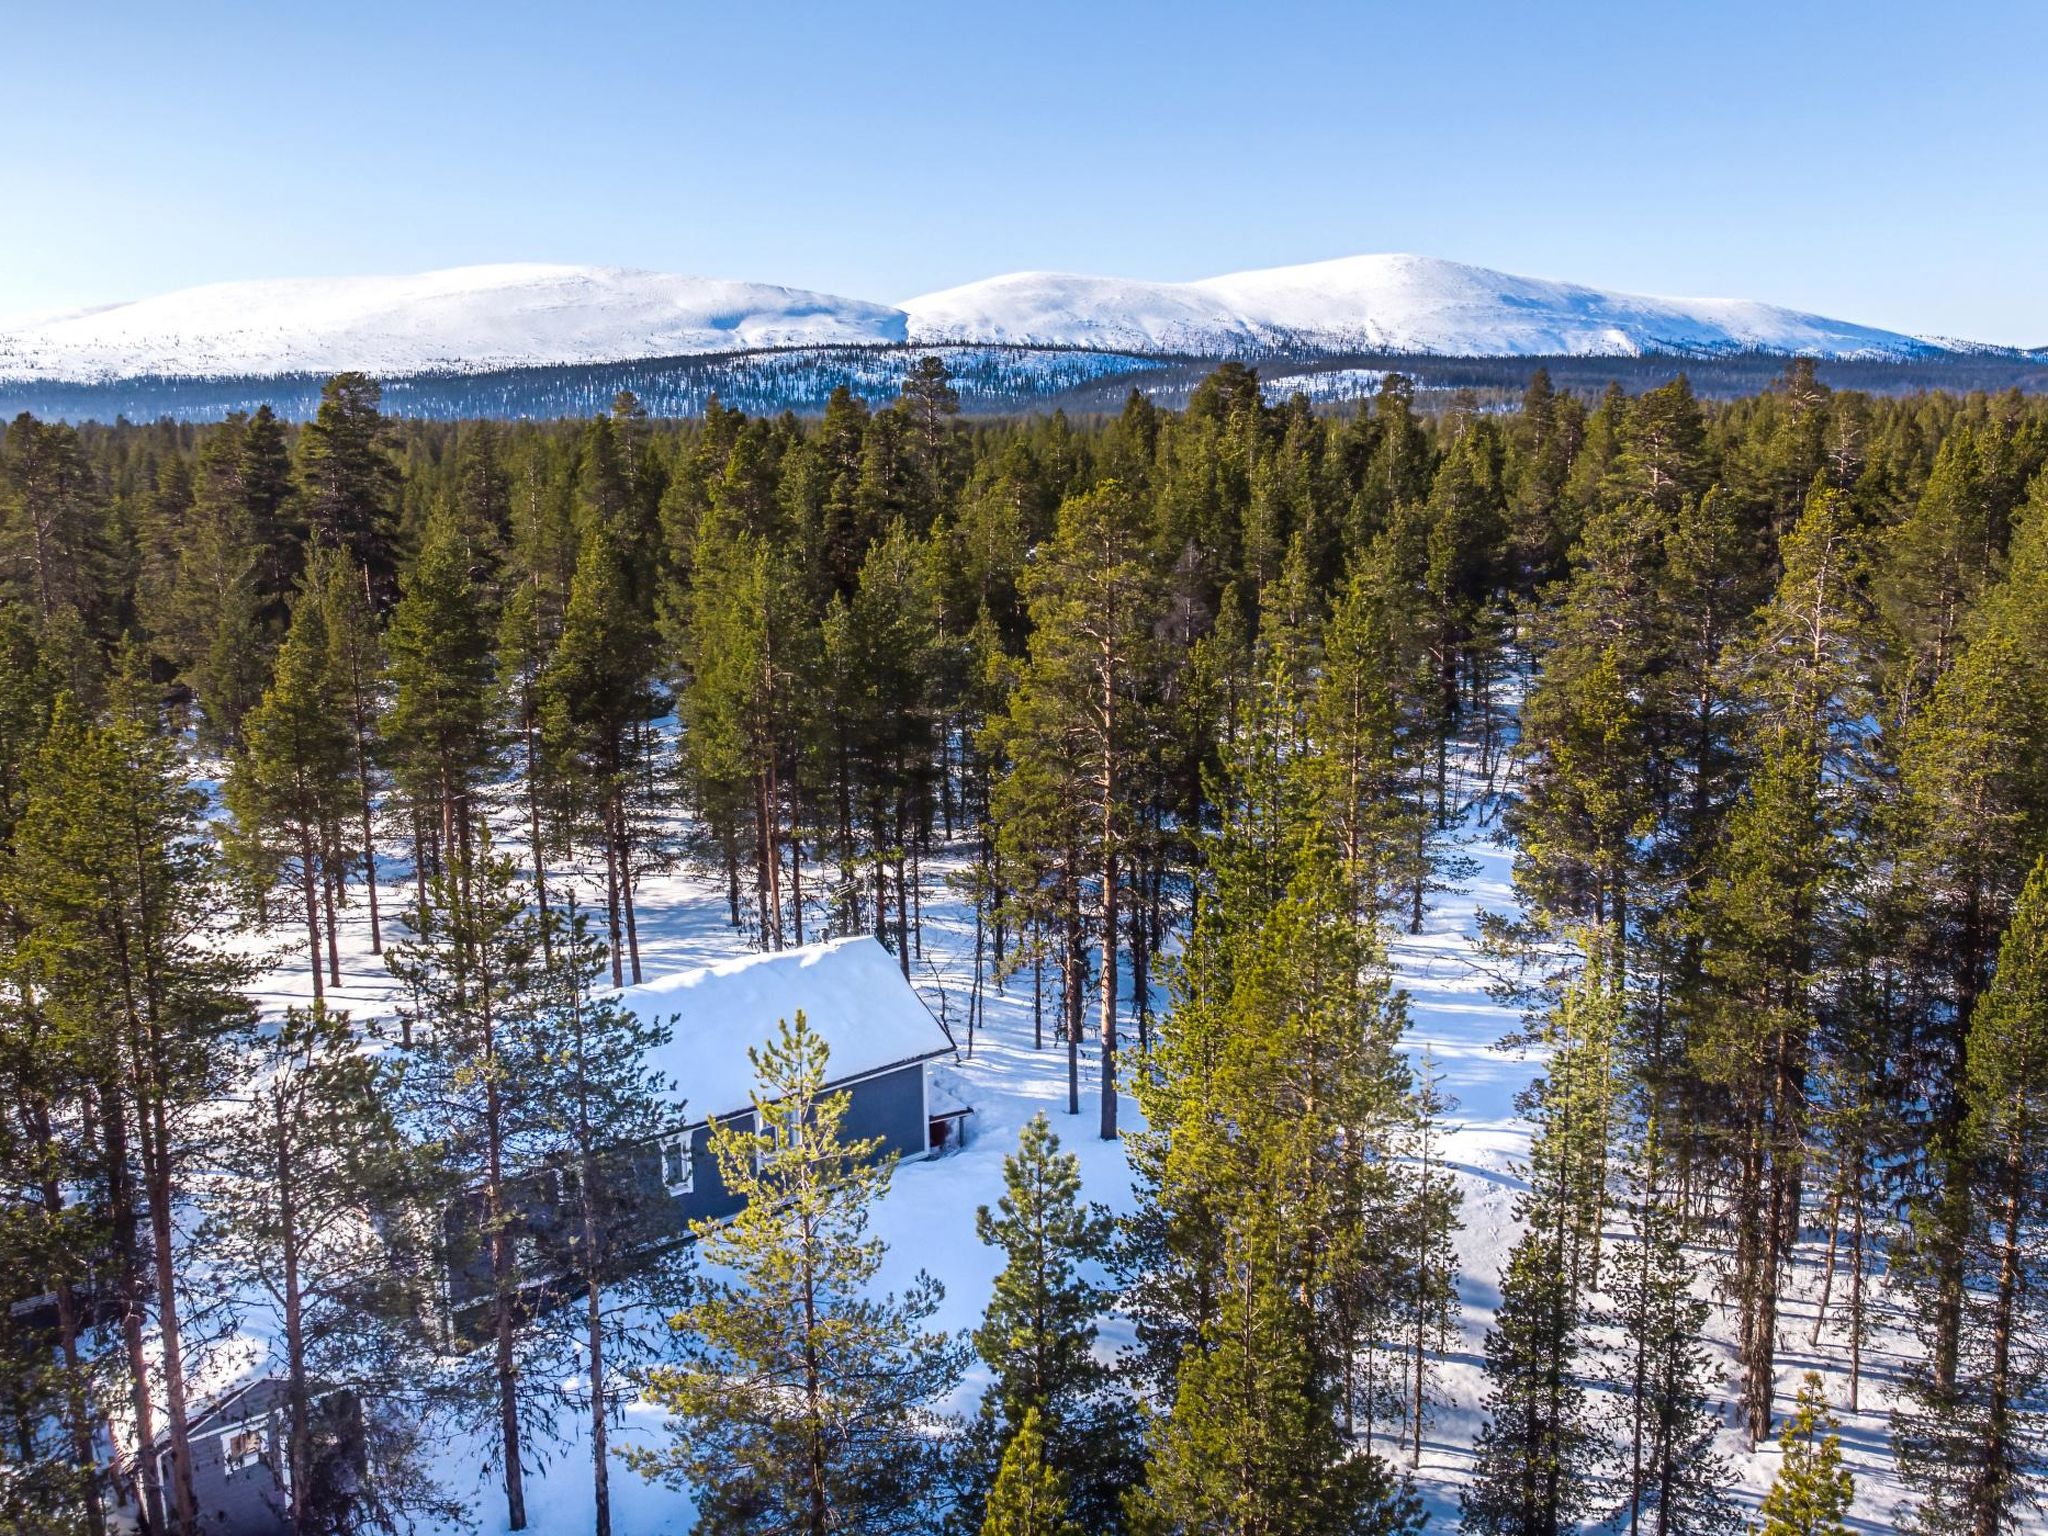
928, 1217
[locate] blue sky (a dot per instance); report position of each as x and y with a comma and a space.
1878, 162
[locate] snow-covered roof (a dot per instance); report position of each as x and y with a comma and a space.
851, 990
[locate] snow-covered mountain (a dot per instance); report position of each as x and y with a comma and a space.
1377, 304
469, 320
464, 320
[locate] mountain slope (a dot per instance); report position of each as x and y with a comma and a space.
464, 319
471, 320
1377, 304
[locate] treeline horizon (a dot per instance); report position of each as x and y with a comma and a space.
993, 382
1754, 687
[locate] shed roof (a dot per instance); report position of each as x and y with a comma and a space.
851, 991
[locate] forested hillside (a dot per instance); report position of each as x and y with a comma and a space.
1185, 710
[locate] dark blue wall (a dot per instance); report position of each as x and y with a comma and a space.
890, 1106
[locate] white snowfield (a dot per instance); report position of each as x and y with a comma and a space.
1376, 303
484, 318
461, 320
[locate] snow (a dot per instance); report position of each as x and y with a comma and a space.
927, 1219
851, 990
463, 319
1389, 303
481, 318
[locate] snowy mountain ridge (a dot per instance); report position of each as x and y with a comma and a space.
487, 318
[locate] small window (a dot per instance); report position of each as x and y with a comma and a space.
241, 1448
677, 1166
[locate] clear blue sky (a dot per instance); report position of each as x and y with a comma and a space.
1881, 162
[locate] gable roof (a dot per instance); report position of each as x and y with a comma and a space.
851, 990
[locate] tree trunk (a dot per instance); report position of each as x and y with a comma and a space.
170, 1340
369, 827
611, 904
298, 1408
502, 1298
1109, 896
309, 878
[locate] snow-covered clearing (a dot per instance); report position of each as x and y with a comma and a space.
928, 1218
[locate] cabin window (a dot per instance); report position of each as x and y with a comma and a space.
677, 1166
241, 1448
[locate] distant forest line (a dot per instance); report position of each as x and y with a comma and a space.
991, 381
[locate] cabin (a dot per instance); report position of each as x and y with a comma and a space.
883, 1042
241, 1478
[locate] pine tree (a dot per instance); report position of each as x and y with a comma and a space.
350, 483
1975, 1448
595, 704
442, 677
751, 661
1812, 1492
596, 1103
307, 1172
1253, 1443
355, 675
1038, 1334
798, 1401
1094, 601
1535, 1455
1029, 1497
289, 786
476, 1085
119, 893
1664, 1420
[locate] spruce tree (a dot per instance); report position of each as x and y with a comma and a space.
798, 1400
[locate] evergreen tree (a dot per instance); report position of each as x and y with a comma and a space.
595, 1107
476, 1084
1029, 1497
1535, 1455
1664, 1420
1094, 602
438, 726
799, 1402
595, 704
118, 893
1812, 1492
290, 784
355, 675
1975, 1447
350, 482
1038, 1334
307, 1173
